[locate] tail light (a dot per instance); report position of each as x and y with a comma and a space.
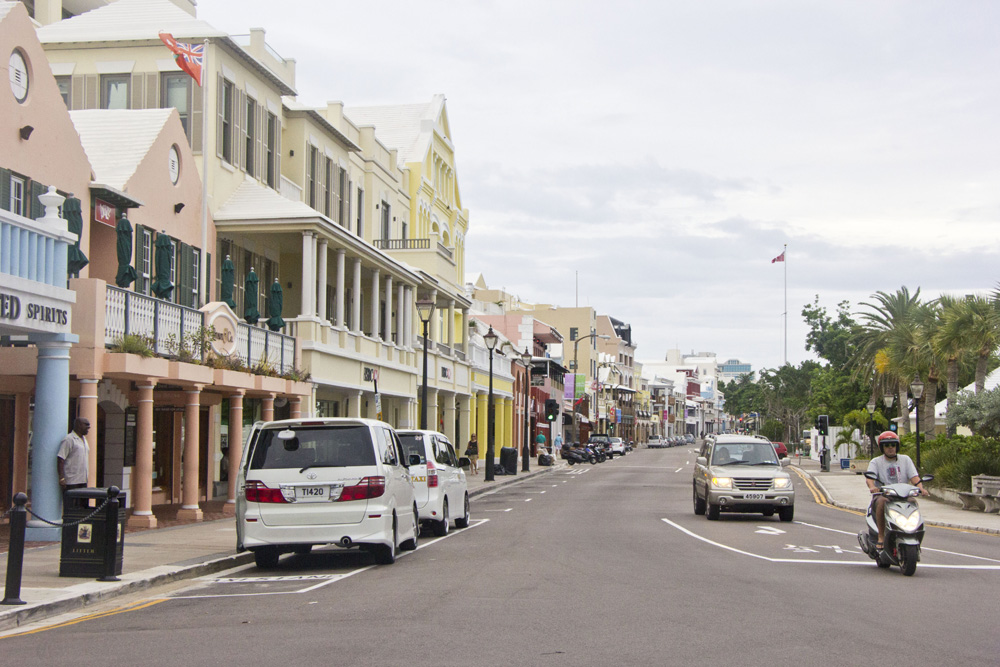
369, 487
258, 492
432, 476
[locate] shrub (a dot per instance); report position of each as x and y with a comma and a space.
954, 461
134, 344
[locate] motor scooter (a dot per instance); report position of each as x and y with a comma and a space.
573, 455
904, 527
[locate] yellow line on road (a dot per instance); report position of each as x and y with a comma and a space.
142, 604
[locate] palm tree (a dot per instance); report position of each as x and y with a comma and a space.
979, 319
952, 340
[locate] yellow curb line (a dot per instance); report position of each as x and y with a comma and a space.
90, 617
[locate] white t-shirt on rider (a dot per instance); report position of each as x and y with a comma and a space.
893, 472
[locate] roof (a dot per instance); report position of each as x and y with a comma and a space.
409, 128
128, 20
992, 382
291, 104
253, 201
5, 8
116, 141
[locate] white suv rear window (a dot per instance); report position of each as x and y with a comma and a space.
314, 447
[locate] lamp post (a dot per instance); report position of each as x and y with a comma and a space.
871, 419
917, 388
424, 310
526, 359
490, 339
576, 370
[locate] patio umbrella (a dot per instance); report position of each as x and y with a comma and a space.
76, 260
250, 313
126, 272
274, 323
162, 287
228, 282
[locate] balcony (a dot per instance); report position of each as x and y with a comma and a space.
402, 244
165, 325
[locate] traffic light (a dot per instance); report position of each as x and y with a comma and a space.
823, 425
551, 409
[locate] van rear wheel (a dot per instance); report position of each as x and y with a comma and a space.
266, 557
441, 527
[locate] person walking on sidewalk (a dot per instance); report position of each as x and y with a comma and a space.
472, 451
73, 456
891, 468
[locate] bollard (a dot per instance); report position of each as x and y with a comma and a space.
111, 535
15, 557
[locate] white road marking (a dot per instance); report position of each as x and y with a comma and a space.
816, 562
506, 510
769, 530
922, 547
679, 469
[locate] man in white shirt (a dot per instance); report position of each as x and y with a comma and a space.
891, 468
74, 456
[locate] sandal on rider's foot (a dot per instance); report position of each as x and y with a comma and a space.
879, 546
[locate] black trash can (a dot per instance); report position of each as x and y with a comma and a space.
83, 544
508, 460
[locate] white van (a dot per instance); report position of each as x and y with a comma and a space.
439, 483
307, 482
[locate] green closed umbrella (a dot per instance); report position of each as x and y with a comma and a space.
228, 282
126, 272
250, 313
76, 260
162, 287
274, 323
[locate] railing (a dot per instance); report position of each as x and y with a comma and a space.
443, 250
28, 250
167, 326
290, 190
402, 244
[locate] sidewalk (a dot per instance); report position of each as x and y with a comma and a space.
846, 489
175, 551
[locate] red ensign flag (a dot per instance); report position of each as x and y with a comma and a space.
779, 258
189, 57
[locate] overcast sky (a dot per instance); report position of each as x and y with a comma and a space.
665, 152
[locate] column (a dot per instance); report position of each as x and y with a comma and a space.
376, 302
86, 408
449, 418
356, 291
267, 408
142, 477
408, 315
341, 290
482, 411
388, 309
433, 421
507, 420
295, 407
401, 315
308, 278
464, 423
464, 334
451, 324
48, 430
321, 295
235, 449
22, 425
356, 404
190, 511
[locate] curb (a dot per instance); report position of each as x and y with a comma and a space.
508, 480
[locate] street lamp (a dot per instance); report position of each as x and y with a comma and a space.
917, 388
576, 370
526, 359
424, 310
871, 418
490, 339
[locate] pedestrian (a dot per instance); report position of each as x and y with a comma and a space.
73, 456
472, 451
539, 444
557, 443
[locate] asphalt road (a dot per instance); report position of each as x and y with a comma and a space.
592, 565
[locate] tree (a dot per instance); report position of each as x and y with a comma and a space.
980, 412
953, 341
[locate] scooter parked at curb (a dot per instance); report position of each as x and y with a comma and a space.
904, 527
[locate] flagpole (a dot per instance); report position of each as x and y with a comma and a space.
784, 254
203, 278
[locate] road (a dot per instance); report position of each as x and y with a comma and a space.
591, 565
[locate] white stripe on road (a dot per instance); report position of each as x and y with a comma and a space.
922, 548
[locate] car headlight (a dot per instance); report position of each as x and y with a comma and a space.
907, 523
783, 483
723, 482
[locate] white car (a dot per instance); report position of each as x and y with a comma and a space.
439, 483
655, 441
617, 447
308, 482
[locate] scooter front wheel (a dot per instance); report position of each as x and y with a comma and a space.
908, 559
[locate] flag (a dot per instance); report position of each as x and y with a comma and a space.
189, 57
779, 258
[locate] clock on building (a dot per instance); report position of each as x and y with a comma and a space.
18, 76
174, 164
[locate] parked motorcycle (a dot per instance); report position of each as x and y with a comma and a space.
577, 454
904, 527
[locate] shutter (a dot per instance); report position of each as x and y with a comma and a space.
347, 207
140, 282
5, 189
194, 129
260, 168
220, 100
136, 91
152, 92
208, 278
92, 98
277, 154
239, 122
76, 92
36, 210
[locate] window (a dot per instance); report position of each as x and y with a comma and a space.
574, 332
342, 197
226, 93
311, 176
114, 91
18, 202
270, 150
386, 220
195, 276
143, 259
404, 230
328, 194
65, 84
175, 91
361, 212
250, 136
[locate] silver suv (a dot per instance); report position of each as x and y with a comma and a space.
737, 473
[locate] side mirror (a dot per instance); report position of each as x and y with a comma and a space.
702, 461
784, 462
414, 460
874, 475
927, 478
464, 462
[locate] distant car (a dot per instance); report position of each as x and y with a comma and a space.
689, 438
617, 447
655, 442
781, 449
439, 484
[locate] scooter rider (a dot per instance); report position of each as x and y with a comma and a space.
891, 468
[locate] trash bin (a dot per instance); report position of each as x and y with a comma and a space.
83, 544
508, 460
